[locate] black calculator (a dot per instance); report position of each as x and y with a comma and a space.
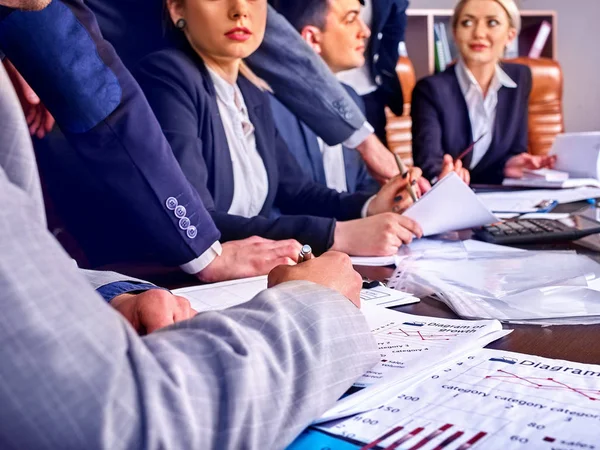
537, 231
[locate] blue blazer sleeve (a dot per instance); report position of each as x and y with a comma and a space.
392, 33
428, 151
317, 97
188, 114
103, 113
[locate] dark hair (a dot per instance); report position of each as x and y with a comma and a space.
301, 13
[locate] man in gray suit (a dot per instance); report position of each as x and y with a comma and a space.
75, 374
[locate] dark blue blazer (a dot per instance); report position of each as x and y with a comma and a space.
135, 28
182, 94
441, 124
387, 31
104, 115
303, 144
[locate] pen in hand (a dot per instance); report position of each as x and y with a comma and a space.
404, 171
305, 253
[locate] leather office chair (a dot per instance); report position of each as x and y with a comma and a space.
546, 118
398, 129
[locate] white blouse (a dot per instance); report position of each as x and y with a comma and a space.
482, 111
250, 181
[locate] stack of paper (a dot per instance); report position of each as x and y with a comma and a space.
546, 174
515, 286
410, 347
489, 399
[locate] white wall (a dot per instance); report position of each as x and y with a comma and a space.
578, 54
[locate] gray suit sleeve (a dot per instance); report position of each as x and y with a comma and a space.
304, 83
16, 150
74, 374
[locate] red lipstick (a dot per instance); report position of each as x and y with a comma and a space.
239, 34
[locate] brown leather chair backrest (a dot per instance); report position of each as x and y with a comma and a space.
398, 129
546, 119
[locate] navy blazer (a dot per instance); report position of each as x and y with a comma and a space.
104, 115
387, 31
303, 144
135, 28
441, 124
181, 92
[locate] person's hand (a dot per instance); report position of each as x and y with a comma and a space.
332, 269
449, 166
39, 120
152, 309
379, 160
249, 258
517, 164
379, 235
394, 195
424, 185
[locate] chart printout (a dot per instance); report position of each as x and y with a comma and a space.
488, 400
411, 346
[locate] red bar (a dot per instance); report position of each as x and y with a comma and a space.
472, 441
431, 437
382, 438
450, 440
402, 440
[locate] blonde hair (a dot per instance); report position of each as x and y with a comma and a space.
253, 78
511, 8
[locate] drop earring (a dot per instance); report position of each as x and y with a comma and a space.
180, 24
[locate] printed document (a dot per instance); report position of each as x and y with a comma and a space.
488, 399
409, 347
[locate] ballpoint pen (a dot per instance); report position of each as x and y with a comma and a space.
468, 150
305, 253
404, 171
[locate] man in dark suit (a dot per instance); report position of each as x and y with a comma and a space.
335, 31
377, 81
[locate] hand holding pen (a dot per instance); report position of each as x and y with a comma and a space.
332, 269
305, 253
397, 194
456, 165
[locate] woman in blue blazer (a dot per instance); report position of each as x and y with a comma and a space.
221, 130
477, 100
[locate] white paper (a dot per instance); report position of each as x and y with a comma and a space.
566, 184
546, 174
218, 296
386, 297
538, 195
513, 204
488, 399
449, 206
409, 346
374, 261
578, 154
